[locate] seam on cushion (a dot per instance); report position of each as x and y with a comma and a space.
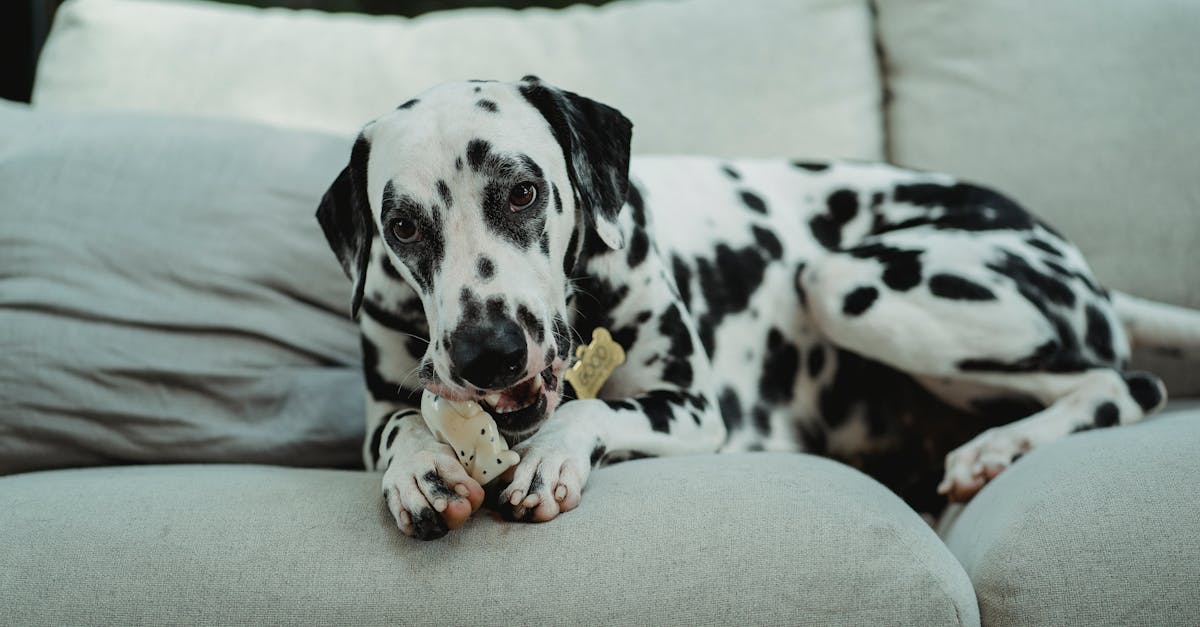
883, 72
924, 561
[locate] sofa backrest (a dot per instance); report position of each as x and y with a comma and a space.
763, 78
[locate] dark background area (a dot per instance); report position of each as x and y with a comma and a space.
25, 23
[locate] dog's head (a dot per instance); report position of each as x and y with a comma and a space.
483, 196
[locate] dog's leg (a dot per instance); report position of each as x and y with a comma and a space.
425, 487
1076, 402
977, 316
657, 403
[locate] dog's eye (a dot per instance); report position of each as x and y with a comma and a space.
521, 196
405, 230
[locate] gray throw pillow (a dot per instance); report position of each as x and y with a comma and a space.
166, 294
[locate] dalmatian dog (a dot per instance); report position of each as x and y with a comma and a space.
915, 326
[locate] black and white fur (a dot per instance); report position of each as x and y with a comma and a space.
874, 314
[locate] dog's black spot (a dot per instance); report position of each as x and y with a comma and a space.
901, 267
843, 205
730, 172
380, 388
477, 153
643, 316
811, 166
1099, 335
458, 163
625, 336
639, 246
1040, 359
683, 279
731, 408
780, 367
532, 323
598, 452
544, 243
485, 268
428, 524
801, 296
444, 191
1032, 283
1045, 246
595, 300
496, 308
706, 329
406, 321
760, 416
816, 360
472, 307
727, 282
618, 405
637, 205
562, 336
963, 206
377, 440
658, 413
954, 287
859, 300
487, 105
754, 201
408, 104
826, 231
659, 405
678, 367
1058, 268
1106, 415
768, 242
571, 260
437, 487
1145, 389
558, 206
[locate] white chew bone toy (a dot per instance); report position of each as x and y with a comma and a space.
472, 433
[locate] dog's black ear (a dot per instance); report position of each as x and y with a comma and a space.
595, 144
345, 217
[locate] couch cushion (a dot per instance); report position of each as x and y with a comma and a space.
704, 540
1101, 528
680, 70
1085, 111
167, 295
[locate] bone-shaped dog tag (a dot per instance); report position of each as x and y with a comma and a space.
595, 364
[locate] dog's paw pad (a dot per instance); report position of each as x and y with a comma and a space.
970, 466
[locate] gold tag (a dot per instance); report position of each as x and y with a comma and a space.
595, 364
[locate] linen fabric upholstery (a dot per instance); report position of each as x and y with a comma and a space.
770, 78
661, 541
166, 295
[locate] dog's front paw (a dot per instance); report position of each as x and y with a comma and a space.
429, 493
970, 466
549, 481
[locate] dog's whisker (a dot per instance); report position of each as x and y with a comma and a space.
408, 376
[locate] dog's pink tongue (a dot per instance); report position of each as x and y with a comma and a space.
516, 396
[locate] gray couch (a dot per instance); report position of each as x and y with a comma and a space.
180, 399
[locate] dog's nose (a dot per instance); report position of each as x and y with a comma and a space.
489, 356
